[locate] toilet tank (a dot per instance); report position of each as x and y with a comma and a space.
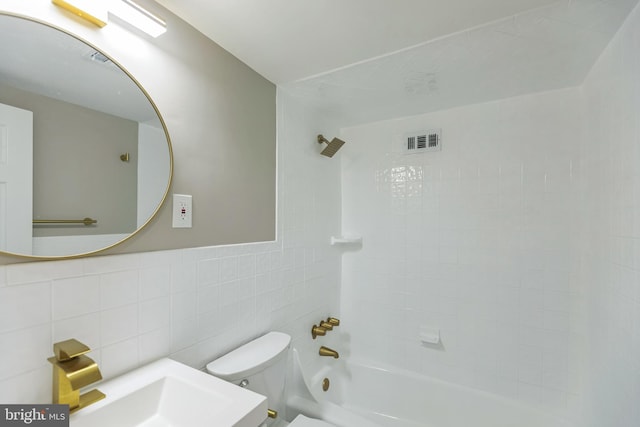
259, 365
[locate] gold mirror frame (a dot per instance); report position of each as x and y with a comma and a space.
160, 118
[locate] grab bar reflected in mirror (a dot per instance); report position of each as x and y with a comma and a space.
85, 221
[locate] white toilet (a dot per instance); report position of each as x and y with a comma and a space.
261, 366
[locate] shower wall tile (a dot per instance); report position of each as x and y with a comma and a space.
477, 240
612, 261
3, 276
191, 304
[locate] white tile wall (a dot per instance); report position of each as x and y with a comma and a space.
192, 304
612, 256
478, 240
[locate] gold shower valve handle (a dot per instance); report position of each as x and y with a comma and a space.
317, 331
271, 413
328, 326
333, 321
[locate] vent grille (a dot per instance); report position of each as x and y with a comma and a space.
419, 142
99, 57
102, 60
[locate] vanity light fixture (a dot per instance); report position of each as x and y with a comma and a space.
91, 10
139, 17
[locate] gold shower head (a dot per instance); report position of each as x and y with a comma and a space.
332, 146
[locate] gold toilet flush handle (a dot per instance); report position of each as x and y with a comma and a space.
271, 413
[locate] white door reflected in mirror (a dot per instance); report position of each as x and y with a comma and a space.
16, 179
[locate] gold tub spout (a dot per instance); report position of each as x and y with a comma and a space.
326, 351
72, 370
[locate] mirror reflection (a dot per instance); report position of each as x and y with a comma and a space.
85, 160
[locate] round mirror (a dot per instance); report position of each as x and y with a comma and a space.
85, 157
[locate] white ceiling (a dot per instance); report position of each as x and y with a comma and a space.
286, 40
367, 60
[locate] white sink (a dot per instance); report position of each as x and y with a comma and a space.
168, 393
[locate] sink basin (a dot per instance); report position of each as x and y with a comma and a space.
168, 393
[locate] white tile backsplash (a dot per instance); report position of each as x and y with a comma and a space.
118, 324
24, 305
25, 350
39, 272
75, 296
119, 357
155, 282
85, 328
118, 289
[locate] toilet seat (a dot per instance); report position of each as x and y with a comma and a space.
302, 421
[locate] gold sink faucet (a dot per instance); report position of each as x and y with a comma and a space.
72, 370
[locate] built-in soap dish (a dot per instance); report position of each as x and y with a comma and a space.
341, 240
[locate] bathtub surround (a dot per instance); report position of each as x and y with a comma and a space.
190, 304
611, 253
479, 240
518, 241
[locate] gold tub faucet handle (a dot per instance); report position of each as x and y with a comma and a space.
317, 331
328, 326
333, 321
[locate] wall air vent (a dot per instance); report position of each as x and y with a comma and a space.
102, 60
420, 142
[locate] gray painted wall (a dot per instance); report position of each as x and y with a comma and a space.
77, 171
221, 119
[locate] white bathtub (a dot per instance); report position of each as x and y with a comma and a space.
403, 399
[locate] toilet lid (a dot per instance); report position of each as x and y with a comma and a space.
302, 421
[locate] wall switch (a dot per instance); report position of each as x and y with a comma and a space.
182, 214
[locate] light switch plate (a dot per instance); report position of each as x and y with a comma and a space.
182, 214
